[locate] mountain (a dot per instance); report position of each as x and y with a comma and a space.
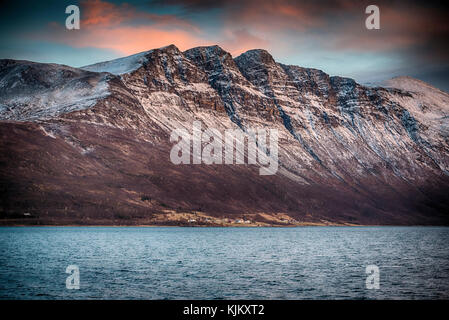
92, 145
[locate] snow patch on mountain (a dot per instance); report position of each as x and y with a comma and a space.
121, 65
31, 90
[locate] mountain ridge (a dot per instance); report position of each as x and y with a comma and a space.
348, 154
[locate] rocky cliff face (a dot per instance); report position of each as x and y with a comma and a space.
92, 145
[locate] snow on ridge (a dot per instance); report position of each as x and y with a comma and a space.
30, 91
411, 84
121, 65
53, 102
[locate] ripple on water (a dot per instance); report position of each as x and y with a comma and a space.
224, 263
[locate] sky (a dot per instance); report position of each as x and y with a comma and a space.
328, 34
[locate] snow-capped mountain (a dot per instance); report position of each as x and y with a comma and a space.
91, 144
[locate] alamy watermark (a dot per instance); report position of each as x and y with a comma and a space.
73, 20
373, 279
73, 280
210, 147
373, 20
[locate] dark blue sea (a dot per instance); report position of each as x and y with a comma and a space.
224, 263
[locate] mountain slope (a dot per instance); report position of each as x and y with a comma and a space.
92, 145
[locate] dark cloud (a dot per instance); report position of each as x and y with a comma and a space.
196, 5
418, 30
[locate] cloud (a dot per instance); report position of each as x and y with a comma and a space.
338, 24
124, 39
241, 40
98, 13
132, 39
124, 29
327, 34
416, 30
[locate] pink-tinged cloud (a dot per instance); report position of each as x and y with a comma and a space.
98, 13
106, 25
101, 13
125, 40
123, 29
130, 40
280, 26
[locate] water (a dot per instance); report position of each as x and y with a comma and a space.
224, 263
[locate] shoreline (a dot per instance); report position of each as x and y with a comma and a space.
193, 219
170, 218
185, 225
212, 226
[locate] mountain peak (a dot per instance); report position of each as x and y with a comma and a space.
211, 56
130, 63
208, 52
213, 49
121, 65
256, 56
411, 84
171, 48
